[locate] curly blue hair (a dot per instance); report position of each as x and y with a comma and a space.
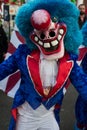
63, 11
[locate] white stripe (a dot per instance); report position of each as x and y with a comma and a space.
3, 84
79, 62
14, 40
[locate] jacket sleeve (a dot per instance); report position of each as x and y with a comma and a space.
84, 63
8, 66
79, 80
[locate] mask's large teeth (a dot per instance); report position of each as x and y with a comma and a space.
40, 43
59, 37
46, 45
61, 31
36, 38
54, 43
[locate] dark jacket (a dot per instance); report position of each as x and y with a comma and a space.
81, 23
3, 44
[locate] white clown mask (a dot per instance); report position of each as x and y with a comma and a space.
47, 35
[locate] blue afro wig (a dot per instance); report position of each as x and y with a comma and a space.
84, 32
63, 10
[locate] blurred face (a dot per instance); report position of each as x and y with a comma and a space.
82, 9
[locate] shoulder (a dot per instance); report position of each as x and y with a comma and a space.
73, 57
22, 50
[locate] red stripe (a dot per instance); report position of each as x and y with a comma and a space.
81, 126
33, 68
67, 83
14, 113
57, 106
13, 79
11, 48
82, 53
21, 39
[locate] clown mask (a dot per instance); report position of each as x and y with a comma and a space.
47, 35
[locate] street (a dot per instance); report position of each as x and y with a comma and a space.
67, 115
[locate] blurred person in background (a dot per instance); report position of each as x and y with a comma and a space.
83, 17
3, 41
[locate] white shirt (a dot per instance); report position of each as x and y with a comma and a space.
48, 72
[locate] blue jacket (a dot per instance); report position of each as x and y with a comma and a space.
31, 89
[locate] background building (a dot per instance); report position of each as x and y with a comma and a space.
81, 2
85, 2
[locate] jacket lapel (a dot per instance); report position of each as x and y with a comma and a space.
33, 69
64, 69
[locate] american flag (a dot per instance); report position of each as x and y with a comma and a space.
82, 52
11, 83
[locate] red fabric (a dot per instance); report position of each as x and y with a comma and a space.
21, 39
86, 11
6, 1
82, 53
14, 113
11, 48
57, 106
33, 68
13, 79
67, 84
43, 25
81, 126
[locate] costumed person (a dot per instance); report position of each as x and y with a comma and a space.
46, 62
81, 106
84, 61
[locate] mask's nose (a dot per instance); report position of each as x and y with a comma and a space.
40, 20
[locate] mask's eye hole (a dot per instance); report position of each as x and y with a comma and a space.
52, 34
42, 35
